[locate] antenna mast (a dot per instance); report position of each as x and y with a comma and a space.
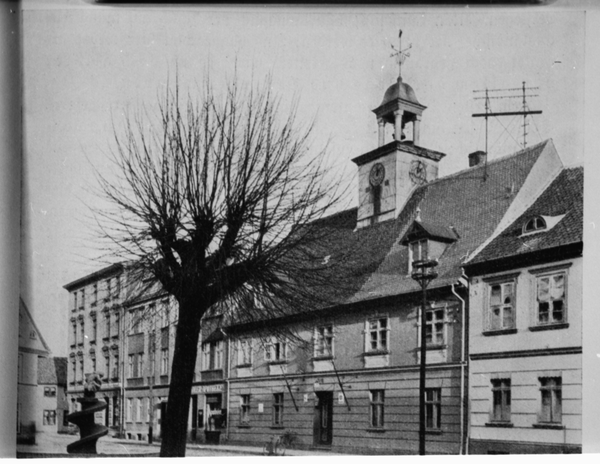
525, 111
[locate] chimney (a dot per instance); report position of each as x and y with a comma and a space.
477, 157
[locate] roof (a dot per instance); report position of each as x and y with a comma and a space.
94, 276
564, 196
52, 371
402, 91
420, 229
30, 337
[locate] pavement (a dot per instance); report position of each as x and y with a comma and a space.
54, 445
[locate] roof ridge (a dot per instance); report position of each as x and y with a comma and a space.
494, 161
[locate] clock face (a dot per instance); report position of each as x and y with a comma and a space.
418, 172
377, 174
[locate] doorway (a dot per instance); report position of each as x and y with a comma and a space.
323, 419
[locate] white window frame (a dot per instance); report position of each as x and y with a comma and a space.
245, 409
550, 388
212, 356
278, 401
378, 331
164, 361
550, 312
433, 408
501, 400
129, 410
276, 351
377, 408
503, 281
244, 352
324, 341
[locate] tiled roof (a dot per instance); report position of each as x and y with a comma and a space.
46, 371
564, 196
466, 201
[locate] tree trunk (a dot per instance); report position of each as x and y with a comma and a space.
174, 425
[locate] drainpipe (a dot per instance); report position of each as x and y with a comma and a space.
462, 372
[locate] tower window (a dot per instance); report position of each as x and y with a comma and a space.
376, 199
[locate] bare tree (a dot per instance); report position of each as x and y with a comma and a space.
216, 199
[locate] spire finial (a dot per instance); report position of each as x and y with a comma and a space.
400, 54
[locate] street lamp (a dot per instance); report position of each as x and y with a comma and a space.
423, 272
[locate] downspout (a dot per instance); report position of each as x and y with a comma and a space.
462, 372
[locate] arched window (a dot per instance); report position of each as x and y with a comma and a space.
534, 224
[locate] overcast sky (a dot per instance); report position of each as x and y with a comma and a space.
83, 66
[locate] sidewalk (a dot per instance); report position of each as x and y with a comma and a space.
50, 445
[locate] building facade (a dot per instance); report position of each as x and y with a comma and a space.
525, 328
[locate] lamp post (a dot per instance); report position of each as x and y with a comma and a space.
423, 273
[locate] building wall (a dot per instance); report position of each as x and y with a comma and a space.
396, 371
525, 355
27, 394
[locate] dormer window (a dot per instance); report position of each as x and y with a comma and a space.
540, 224
534, 224
426, 241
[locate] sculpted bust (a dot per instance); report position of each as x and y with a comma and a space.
92, 384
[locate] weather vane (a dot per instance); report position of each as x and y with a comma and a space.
400, 54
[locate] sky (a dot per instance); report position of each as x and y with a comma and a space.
85, 65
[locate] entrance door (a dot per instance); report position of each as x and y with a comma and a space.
323, 418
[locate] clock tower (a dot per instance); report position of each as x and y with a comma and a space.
388, 175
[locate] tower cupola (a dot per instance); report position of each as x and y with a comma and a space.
388, 175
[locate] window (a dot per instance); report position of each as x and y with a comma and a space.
75, 300
49, 417
82, 331
502, 305
278, 410
73, 370
551, 301
551, 392
276, 351
433, 407
245, 409
107, 366
117, 292
50, 391
94, 329
117, 323
435, 320
377, 408
115, 369
95, 294
164, 361
93, 359
212, 353
500, 400
74, 332
376, 199
139, 413
164, 316
108, 289
324, 341
534, 224
82, 303
107, 325
245, 352
129, 411
81, 377
135, 365
377, 334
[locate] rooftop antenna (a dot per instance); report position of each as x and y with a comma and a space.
525, 111
400, 54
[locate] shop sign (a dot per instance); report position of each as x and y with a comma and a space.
207, 388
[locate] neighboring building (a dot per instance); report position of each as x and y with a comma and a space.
52, 392
128, 336
41, 397
353, 384
526, 325
95, 341
32, 347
